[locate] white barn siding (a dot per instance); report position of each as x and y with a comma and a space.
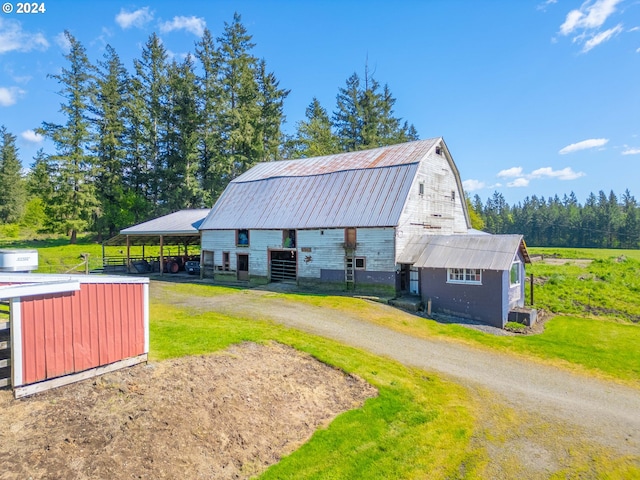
218, 241
434, 212
327, 250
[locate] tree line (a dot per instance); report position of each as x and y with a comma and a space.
602, 221
171, 134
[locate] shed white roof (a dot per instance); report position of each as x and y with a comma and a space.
177, 223
489, 252
357, 189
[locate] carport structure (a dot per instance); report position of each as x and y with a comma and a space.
179, 229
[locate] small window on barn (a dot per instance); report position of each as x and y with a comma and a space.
438, 150
361, 263
225, 261
472, 276
242, 237
421, 188
453, 195
514, 275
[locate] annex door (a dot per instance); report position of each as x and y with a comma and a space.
243, 266
414, 285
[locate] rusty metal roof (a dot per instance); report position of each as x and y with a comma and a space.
357, 189
489, 252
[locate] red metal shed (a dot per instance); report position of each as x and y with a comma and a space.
66, 328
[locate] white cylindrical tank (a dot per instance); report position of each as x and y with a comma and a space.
18, 260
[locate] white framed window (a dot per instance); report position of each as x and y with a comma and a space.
514, 274
361, 263
471, 276
421, 188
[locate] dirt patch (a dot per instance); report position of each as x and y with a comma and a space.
226, 415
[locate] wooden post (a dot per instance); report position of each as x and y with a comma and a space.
531, 289
161, 255
128, 254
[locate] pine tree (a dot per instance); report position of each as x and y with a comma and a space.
214, 168
271, 102
109, 149
314, 136
364, 116
12, 193
150, 99
240, 112
74, 203
180, 183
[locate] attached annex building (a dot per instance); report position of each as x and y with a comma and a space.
335, 219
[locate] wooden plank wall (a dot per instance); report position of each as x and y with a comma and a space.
71, 332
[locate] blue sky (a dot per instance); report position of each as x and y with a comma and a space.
532, 97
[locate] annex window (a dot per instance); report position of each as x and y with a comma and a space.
361, 263
288, 239
350, 237
242, 237
514, 274
421, 188
438, 150
225, 261
464, 275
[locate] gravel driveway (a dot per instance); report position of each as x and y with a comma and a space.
602, 412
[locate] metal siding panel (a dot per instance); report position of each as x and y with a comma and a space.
94, 320
67, 332
30, 342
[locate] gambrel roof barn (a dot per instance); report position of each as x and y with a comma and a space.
369, 188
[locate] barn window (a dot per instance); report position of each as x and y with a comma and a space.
288, 239
361, 263
438, 150
421, 188
350, 237
471, 276
225, 261
242, 237
514, 275
453, 195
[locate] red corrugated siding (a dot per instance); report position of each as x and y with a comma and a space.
67, 333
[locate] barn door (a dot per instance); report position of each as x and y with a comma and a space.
414, 284
243, 266
283, 265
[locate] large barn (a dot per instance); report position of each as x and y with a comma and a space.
335, 219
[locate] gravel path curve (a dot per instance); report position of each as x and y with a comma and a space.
607, 412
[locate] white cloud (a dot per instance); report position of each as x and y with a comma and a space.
13, 38
31, 136
471, 185
138, 18
564, 174
510, 172
519, 182
591, 15
192, 24
585, 23
631, 151
543, 6
9, 96
601, 37
585, 144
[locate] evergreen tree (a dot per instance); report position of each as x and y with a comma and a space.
109, 149
180, 183
240, 110
12, 193
364, 116
74, 203
214, 169
271, 102
149, 101
314, 136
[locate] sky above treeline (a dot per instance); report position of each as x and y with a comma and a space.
531, 97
